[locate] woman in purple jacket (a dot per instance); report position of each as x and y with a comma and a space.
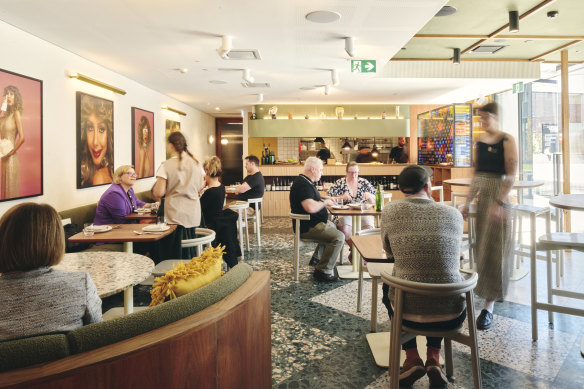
119, 199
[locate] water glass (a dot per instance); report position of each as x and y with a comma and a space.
160, 221
88, 229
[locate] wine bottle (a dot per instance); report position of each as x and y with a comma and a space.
378, 199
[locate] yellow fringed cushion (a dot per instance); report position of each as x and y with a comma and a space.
186, 277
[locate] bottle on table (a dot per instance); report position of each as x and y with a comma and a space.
379, 199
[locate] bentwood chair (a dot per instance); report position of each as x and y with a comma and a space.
207, 236
401, 334
371, 231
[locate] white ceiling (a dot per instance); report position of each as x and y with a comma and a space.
149, 40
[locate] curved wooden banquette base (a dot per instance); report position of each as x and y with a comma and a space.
225, 345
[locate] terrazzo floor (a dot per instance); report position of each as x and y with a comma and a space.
318, 338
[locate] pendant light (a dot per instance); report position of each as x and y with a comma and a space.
346, 145
374, 152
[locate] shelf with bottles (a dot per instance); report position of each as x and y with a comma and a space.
445, 136
284, 183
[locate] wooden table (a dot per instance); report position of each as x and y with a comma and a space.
124, 234
571, 202
353, 271
112, 272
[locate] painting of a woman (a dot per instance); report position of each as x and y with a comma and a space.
143, 144
95, 146
11, 130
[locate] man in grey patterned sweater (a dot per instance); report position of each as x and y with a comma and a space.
423, 237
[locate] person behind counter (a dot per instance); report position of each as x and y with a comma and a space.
324, 153
365, 155
36, 299
119, 199
253, 184
399, 154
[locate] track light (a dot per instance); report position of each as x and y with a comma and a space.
327, 89
335, 77
346, 145
513, 21
260, 98
349, 46
225, 46
456, 56
93, 81
247, 77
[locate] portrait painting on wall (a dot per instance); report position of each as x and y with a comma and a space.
21, 136
95, 141
143, 142
171, 126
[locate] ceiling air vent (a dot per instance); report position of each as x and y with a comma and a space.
246, 84
248, 54
483, 49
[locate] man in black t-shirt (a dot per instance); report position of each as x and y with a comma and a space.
399, 154
305, 199
253, 184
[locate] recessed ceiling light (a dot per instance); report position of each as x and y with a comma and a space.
217, 109
500, 40
446, 10
323, 16
218, 82
183, 70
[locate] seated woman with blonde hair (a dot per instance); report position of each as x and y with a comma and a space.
36, 299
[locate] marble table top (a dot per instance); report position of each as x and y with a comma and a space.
111, 272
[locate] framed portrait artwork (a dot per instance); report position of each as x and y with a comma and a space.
21, 136
143, 142
95, 141
171, 126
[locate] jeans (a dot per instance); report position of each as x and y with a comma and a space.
438, 325
330, 243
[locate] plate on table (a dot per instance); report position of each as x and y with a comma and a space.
98, 229
337, 206
155, 228
143, 210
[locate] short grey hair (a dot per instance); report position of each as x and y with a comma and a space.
312, 162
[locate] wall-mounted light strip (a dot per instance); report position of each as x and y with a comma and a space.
173, 110
92, 81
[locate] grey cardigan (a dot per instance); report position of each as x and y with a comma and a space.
424, 237
46, 300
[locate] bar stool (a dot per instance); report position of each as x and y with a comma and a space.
469, 241
296, 217
398, 337
207, 237
375, 269
533, 212
240, 207
371, 231
258, 218
549, 242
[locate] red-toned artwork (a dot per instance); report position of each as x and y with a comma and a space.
21, 136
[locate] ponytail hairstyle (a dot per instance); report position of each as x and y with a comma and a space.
178, 141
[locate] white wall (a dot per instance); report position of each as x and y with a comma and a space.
30, 56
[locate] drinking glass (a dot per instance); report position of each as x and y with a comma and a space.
88, 229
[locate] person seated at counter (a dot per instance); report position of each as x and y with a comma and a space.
352, 189
423, 237
223, 222
36, 299
365, 155
253, 184
119, 199
324, 153
399, 154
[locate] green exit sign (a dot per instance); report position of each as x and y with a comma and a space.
363, 66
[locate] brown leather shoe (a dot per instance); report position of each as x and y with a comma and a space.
320, 276
411, 371
435, 374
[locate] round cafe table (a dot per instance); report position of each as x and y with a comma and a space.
112, 272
